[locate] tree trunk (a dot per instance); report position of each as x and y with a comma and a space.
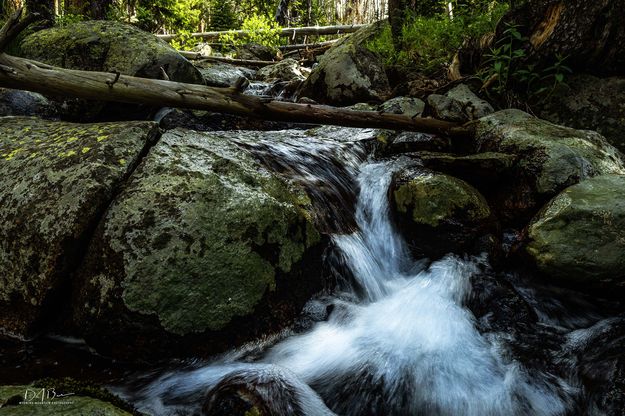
591, 34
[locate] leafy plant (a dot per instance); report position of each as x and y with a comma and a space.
67, 19
260, 30
507, 69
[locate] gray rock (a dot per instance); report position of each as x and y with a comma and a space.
411, 107
285, 70
473, 106
57, 178
24, 103
445, 108
348, 72
579, 236
202, 240
548, 158
223, 75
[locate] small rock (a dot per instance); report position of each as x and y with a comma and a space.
285, 70
473, 106
223, 75
445, 108
411, 107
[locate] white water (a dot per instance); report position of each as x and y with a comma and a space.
406, 346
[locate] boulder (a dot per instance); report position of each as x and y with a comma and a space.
412, 107
57, 179
285, 70
438, 213
256, 52
107, 46
548, 158
589, 102
203, 245
21, 401
348, 72
460, 104
223, 75
579, 236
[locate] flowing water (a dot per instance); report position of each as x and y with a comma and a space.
398, 338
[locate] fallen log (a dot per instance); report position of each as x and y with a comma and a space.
316, 45
25, 74
287, 31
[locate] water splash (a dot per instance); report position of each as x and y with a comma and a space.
405, 344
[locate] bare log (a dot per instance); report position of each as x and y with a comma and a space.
25, 74
287, 31
316, 45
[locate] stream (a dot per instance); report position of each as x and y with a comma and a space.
397, 335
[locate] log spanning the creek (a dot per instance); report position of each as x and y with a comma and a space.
25, 74
291, 32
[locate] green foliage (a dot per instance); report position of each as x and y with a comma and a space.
507, 69
261, 30
67, 19
429, 43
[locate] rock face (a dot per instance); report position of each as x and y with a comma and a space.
285, 70
203, 239
438, 213
579, 236
110, 47
348, 73
548, 158
74, 405
592, 103
57, 178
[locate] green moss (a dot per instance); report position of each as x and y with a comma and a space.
202, 231
432, 198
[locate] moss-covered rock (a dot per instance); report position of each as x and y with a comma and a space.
107, 46
579, 236
202, 236
57, 178
348, 72
438, 213
548, 158
28, 401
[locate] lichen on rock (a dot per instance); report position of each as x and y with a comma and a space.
57, 179
198, 237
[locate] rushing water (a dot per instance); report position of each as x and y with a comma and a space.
398, 340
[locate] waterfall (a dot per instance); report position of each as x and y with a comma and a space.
400, 342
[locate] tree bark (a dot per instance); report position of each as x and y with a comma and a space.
591, 34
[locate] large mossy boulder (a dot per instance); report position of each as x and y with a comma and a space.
107, 46
548, 158
349, 73
438, 213
203, 245
57, 178
28, 401
589, 102
579, 236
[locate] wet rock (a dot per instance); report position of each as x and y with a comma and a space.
263, 390
106, 46
203, 245
24, 103
223, 75
57, 179
411, 107
589, 102
285, 70
439, 214
410, 142
348, 72
14, 401
578, 236
549, 158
